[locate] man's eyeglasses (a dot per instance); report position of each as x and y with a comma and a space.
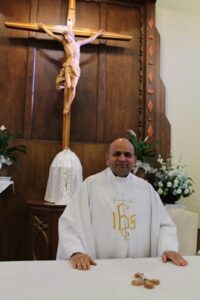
119, 153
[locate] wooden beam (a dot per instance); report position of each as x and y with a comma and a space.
71, 18
59, 29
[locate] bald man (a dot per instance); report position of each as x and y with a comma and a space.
115, 214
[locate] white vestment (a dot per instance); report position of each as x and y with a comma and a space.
115, 217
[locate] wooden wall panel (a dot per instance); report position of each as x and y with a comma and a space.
84, 109
122, 72
105, 101
11, 226
31, 172
47, 101
92, 156
48, 57
121, 68
52, 11
13, 63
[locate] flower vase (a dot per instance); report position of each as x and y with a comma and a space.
140, 173
170, 199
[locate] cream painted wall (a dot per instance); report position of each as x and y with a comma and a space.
178, 22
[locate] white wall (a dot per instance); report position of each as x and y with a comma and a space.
178, 22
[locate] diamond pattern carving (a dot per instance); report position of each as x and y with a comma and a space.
151, 23
150, 91
151, 36
150, 106
151, 51
150, 76
150, 131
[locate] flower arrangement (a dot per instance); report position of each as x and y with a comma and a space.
8, 154
171, 181
144, 152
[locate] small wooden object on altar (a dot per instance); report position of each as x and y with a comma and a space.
141, 280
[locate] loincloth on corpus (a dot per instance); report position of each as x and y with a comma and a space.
71, 71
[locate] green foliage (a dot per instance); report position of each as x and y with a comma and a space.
144, 151
9, 154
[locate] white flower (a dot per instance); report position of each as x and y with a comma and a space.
2, 128
171, 173
145, 166
7, 161
169, 184
186, 192
131, 132
146, 138
179, 191
171, 179
176, 182
160, 159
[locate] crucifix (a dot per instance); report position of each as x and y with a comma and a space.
68, 77
65, 174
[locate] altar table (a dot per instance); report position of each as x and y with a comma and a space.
109, 280
5, 183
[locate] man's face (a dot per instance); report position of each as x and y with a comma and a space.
120, 157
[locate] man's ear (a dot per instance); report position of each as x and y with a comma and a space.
135, 159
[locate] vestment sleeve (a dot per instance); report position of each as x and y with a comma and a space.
75, 232
168, 240
163, 231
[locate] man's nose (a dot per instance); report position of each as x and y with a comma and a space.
122, 157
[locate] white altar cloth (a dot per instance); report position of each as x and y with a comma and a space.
4, 184
109, 280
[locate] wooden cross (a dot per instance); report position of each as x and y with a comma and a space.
80, 32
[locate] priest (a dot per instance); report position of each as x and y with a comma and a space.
115, 214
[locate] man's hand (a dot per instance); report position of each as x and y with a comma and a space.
101, 31
82, 261
175, 257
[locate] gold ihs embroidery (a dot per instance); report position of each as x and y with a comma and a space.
123, 221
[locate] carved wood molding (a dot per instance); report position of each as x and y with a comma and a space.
40, 227
141, 77
150, 74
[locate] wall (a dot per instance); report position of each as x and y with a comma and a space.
178, 23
